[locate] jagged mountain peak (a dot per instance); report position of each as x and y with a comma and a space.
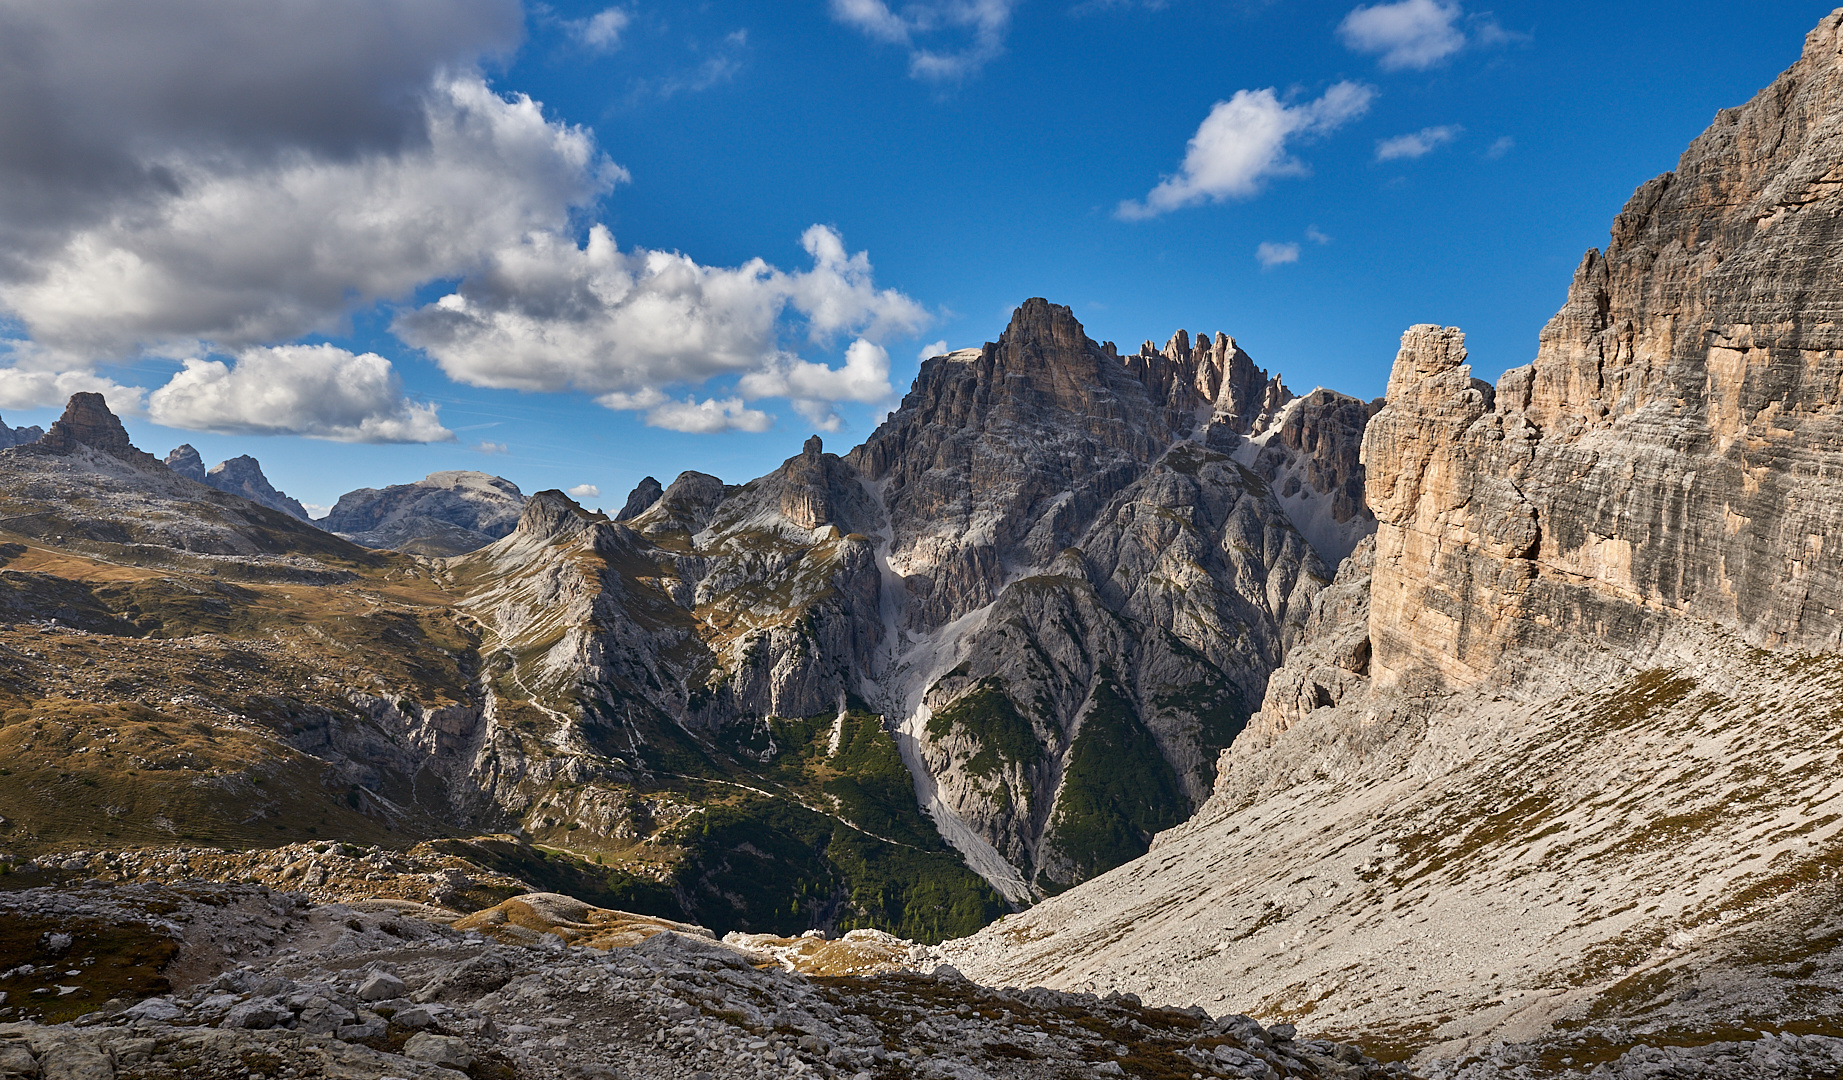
240, 475
12, 436
684, 506
1040, 323
243, 475
87, 422
643, 496
551, 515
184, 459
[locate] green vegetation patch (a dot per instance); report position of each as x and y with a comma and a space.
989, 716
111, 960
873, 787
1218, 708
772, 866
1117, 791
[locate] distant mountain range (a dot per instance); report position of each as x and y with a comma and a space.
1493, 724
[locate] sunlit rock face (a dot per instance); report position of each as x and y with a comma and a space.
1676, 446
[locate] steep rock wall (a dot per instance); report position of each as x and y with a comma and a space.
1676, 446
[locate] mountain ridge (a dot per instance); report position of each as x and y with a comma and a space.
1549, 777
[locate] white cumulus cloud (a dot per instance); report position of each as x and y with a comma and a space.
1418, 34
26, 385
585, 491
946, 39
549, 315
932, 350
708, 417
213, 178
1417, 144
1272, 254
320, 391
1243, 141
275, 249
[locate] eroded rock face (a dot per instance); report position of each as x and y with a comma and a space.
87, 422
1046, 571
998, 457
1674, 449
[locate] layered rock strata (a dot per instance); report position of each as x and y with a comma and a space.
1672, 451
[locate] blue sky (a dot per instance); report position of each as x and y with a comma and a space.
1434, 162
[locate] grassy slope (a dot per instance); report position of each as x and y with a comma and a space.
1117, 791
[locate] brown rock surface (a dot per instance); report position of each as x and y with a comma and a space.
87, 421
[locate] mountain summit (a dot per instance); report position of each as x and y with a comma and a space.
1554, 758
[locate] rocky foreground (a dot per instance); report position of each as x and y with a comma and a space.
382, 989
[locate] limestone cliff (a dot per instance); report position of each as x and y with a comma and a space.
1554, 759
1674, 448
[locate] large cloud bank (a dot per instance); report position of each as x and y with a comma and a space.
212, 180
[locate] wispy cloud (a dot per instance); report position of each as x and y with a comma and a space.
1243, 141
1417, 144
1504, 145
719, 65
1313, 234
946, 39
601, 31
1272, 254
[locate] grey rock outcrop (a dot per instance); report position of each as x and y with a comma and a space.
644, 495
633, 999
18, 436
446, 513
243, 476
185, 460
